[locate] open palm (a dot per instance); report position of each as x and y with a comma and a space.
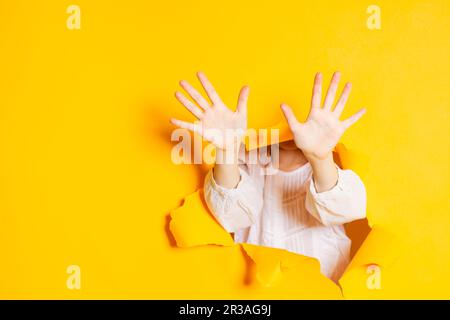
321, 131
216, 122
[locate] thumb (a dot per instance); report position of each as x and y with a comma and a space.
289, 115
242, 100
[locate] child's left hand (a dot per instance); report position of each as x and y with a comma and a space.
322, 130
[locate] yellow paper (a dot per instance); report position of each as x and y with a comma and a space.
86, 175
192, 225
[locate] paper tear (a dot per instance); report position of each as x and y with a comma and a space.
381, 248
351, 159
193, 225
272, 262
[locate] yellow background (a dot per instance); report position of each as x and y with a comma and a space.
85, 171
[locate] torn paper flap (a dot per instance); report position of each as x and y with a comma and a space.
272, 263
380, 248
193, 225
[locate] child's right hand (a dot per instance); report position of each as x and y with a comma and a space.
217, 123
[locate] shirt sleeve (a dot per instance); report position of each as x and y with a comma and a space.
344, 203
234, 208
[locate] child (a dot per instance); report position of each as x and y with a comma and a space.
303, 206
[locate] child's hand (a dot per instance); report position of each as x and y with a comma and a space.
217, 123
322, 130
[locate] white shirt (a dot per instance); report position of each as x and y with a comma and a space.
284, 210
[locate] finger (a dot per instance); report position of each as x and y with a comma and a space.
342, 100
331, 93
348, 122
195, 95
242, 100
210, 91
317, 91
196, 111
187, 125
289, 115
